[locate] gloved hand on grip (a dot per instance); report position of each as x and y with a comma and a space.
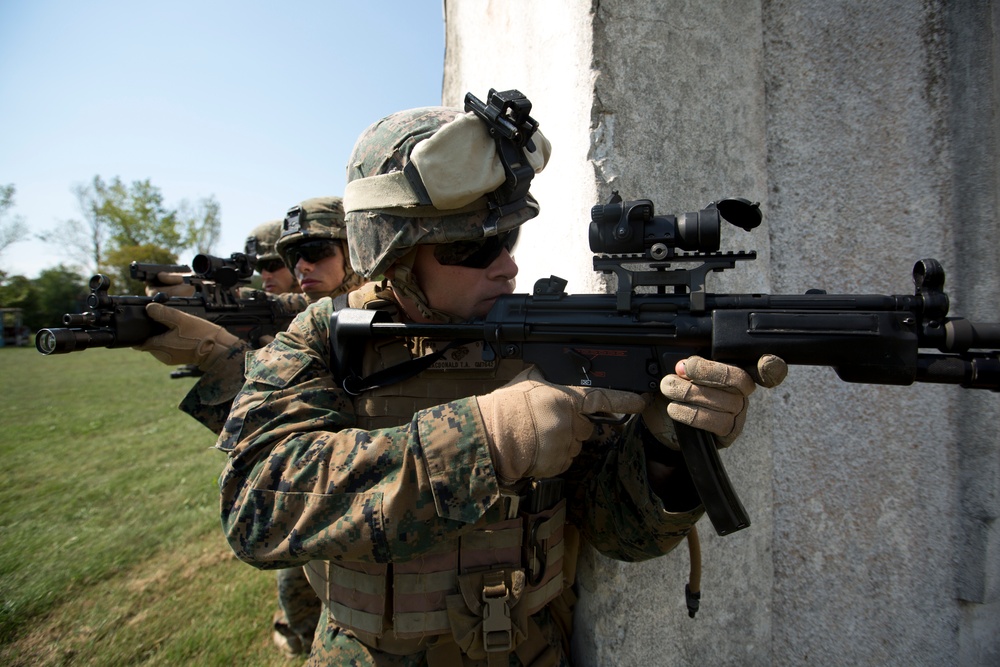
536, 428
710, 396
188, 340
171, 284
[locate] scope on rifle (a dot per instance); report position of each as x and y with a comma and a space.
226, 272
630, 227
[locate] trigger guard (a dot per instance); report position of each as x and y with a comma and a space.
609, 418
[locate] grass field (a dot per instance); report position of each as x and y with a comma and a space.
110, 547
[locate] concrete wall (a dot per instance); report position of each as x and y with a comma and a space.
868, 131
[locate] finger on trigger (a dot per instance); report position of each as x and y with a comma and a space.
612, 401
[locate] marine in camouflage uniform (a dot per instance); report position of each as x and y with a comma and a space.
217, 354
275, 277
311, 232
319, 220
439, 525
219, 362
313, 237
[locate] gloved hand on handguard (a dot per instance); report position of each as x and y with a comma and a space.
188, 339
171, 284
710, 396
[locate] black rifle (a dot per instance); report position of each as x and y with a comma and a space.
121, 321
629, 340
148, 273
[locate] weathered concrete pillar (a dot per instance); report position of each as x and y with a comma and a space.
868, 131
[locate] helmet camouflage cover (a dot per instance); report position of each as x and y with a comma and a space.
378, 235
316, 218
261, 241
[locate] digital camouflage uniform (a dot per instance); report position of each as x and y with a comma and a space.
304, 485
210, 399
319, 218
209, 402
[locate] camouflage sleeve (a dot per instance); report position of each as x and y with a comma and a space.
293, 302
620, 514
211, 398
302, 484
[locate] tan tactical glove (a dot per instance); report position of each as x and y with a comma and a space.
536, 428
188, 340
171, 284
710, 396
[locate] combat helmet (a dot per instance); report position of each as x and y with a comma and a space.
262, 240
436, 175
313, 219
319, 218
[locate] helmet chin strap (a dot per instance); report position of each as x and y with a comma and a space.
352, 280
404, 284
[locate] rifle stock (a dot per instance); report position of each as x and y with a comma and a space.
629, 340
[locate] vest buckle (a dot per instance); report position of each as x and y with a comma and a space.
497, 629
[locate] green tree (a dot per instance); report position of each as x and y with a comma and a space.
121, 218
119, 260
202, 223
136, 215
57, 291
12, 229
45, 299
83, 241
15, 292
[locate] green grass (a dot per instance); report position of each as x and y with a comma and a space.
110, 547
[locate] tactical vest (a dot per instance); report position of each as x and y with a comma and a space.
483, 590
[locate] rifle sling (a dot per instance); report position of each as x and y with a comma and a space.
355, 386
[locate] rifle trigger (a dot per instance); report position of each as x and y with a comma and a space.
610, 418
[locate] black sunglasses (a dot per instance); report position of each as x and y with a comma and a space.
476, 254
311, 251
269, 265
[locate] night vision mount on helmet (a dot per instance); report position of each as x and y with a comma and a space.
437, 175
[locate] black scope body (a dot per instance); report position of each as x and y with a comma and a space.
631, 227
227, 272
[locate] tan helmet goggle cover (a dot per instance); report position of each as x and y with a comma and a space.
458, 165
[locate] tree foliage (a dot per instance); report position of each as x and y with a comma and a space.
126, 222
45, 299
202, 223
119, 260
12, 229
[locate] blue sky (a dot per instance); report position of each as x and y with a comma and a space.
256, 103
